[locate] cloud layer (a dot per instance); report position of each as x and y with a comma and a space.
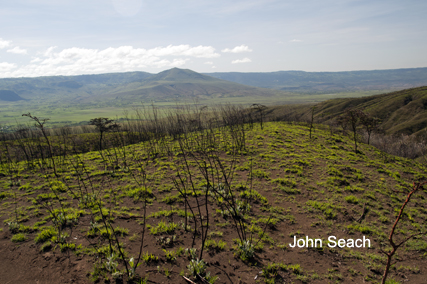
17, 50
4, 43
74, 61
237, 49
5, 66
244, 60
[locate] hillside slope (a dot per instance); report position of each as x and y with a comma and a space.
284, 186
400, 112
9, 96
68, 87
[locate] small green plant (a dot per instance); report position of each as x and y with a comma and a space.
13, 227
67, 246
121, 231
296, 268
148, 258
289, 190
163, 227
215, 234
215, 246
167, 272
197, 267
19, 238
60, 238
97, 272
351, 199
117, 275
132, 267
170, 255
61, 220
253, 195
45, 235
352, 271
245, 250
3, 195
285, 182
111, 265
261, 174
238, 211
133, 238
327, 208
272, 269
140, 193
303, 278
166, 241
190, 253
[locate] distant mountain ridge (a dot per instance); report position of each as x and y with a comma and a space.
82, 86
324, 82
68, 86
180, 83
125, 88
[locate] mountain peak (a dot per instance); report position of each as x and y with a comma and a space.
181, 75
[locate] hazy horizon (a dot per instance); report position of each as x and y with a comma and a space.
211, 72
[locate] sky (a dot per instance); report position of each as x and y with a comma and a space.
73, 37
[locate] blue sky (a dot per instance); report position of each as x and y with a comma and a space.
71, 37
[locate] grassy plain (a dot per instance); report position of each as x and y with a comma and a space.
62, 113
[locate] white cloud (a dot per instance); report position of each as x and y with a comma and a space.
17, 50
167, 63
209, 63
295, 40
4, 43
238, 49
178, 62
5, 66
36, 59
75, 60
184, 50
244, 60
49, 51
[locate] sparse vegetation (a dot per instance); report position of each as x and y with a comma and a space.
215, 182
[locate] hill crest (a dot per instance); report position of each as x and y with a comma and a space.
180, 75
